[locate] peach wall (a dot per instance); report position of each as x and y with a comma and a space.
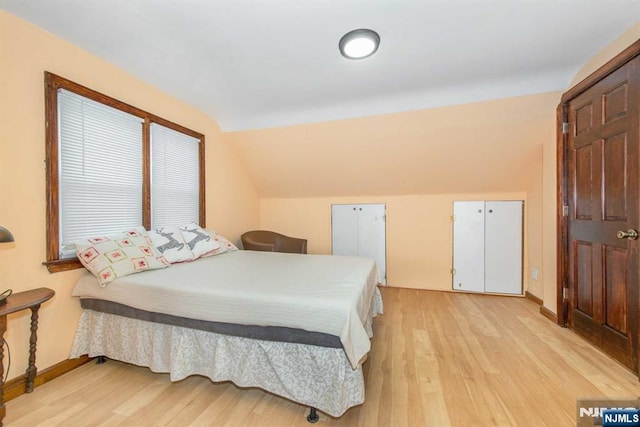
25, 53
482, 147
534, 228
549, 218
419, 231
417, 162
626, 39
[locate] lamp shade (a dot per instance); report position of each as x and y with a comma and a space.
5, 235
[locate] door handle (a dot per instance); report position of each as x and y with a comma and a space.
630, 234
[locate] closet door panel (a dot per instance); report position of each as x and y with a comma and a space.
468, 246
372, 236
503, 247
344, 230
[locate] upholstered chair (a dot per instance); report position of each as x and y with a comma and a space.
270, 241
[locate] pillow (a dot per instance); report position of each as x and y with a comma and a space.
171, 244
199, 241
118, 255
225, 243
219, 250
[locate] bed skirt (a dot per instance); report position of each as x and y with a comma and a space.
320, 377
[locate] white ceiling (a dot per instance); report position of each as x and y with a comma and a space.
264, 63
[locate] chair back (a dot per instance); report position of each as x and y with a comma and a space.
270, 241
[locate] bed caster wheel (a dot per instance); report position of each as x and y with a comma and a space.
313, 416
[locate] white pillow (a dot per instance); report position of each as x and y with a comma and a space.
171, 244
199, 241
110, 257
219, 250
224, 242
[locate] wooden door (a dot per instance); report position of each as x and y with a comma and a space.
602, 190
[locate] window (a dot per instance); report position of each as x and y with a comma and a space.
100, 164
111, 166
174, 170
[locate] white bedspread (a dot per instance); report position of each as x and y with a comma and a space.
320, 293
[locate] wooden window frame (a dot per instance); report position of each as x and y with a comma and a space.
52, 83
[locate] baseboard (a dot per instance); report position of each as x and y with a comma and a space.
16, 386
533, 298
548, 314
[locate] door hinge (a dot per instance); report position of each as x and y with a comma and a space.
565, 127
565, 210
453, 217
453, 271
565, 293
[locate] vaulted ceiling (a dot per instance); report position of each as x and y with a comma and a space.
459, 97
257, 64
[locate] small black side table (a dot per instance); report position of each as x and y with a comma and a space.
17, 302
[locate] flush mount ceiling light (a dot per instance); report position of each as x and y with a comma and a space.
359, 44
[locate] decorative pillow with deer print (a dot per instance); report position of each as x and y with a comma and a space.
199, 241
170, 242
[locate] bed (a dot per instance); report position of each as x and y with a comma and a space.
298, 326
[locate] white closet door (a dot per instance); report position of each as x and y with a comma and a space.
468, 246
359, 230
503, 247
344, 230
372, 236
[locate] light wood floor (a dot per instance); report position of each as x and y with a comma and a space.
438, 359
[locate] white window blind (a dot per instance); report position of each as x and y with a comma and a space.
100, 167
175, 177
